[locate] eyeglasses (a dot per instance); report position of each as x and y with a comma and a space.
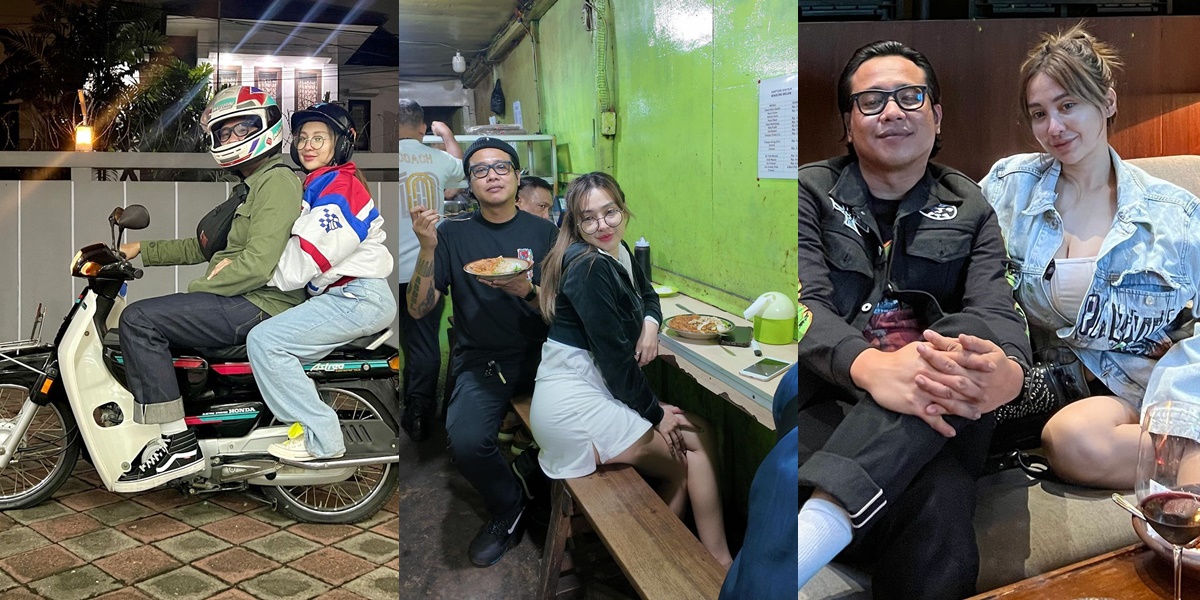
612, 217
872, 102
501, 168
240, 129
315, 142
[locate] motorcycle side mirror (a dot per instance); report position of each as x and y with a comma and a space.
135, 216
115, 216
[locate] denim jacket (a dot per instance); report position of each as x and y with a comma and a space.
1147, 272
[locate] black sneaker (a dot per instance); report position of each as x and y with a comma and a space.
162, 460
416, 426
494, 539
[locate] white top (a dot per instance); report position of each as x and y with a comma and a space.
1070, 283
424, 173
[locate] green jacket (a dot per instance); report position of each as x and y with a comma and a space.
259, 233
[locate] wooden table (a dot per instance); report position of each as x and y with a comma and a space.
1131, 573
715, 368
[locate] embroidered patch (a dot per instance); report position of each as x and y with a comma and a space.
848, 218
804, 322
526, 254
330, 221
941, 212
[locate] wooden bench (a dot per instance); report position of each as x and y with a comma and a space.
655, 551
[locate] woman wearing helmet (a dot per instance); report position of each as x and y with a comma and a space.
245, 129
336, 254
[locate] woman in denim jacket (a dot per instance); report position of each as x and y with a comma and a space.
1103, 256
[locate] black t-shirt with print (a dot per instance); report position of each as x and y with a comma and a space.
491, 324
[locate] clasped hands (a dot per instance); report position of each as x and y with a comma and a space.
965, 376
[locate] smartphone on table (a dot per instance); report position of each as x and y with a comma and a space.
766, 369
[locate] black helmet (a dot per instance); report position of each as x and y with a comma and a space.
339, 122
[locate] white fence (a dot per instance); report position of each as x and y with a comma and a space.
43, 223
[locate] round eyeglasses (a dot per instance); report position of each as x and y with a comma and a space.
872, 102
315, 142
612, 217
501, 168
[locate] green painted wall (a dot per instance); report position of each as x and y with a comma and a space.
569, 87
685, 79
517, 79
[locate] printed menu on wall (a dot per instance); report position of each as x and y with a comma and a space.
778, 124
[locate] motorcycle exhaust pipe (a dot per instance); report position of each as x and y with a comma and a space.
339, 463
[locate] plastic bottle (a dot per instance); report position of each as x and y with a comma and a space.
641, 254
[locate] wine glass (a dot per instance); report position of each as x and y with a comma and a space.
1168, 475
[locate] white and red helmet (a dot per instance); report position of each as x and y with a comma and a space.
245, 101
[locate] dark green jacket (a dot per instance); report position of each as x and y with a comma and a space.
259, 233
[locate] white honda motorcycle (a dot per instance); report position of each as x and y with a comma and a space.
59, 398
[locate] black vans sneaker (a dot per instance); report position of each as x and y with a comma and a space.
162, 460
494, 539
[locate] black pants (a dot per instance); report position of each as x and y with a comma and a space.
910, 492
477, 406
422, 358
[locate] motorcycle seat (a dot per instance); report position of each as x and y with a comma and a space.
112, 339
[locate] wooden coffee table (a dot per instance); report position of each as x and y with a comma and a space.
1131, 573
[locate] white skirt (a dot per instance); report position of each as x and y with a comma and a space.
573, 412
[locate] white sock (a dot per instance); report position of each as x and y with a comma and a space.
824, 531
174, 427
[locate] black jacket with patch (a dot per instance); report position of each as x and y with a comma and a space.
947, 262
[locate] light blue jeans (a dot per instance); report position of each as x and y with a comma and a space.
279, 347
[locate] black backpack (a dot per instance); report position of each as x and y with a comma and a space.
213, 229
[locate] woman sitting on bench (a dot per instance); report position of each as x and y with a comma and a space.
591, 403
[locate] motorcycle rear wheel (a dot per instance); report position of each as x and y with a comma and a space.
47, 453
353, 499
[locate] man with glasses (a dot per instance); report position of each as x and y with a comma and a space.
500, 332
424, 175
913, 339
245, 131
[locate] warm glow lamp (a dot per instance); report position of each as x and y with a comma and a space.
83, 132
83, 138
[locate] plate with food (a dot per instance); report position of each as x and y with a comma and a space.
699, 327
501, 267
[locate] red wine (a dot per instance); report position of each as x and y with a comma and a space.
1174, 515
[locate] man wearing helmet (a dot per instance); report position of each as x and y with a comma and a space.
245, 129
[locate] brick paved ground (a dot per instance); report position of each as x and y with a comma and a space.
89, 543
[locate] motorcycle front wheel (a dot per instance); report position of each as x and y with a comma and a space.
355, 498
46, 455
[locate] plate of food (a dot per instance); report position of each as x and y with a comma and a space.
501, 267
699, 327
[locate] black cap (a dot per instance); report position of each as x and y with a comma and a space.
489, 142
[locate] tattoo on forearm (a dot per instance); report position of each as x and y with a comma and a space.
424, 267
423, 270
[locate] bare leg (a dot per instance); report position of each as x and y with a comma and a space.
651, 457
703, 489
1094, 442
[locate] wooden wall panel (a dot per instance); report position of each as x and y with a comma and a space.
977, 64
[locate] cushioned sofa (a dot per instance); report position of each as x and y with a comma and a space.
1026, 527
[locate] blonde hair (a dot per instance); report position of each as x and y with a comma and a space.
1075, 60
568, 233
